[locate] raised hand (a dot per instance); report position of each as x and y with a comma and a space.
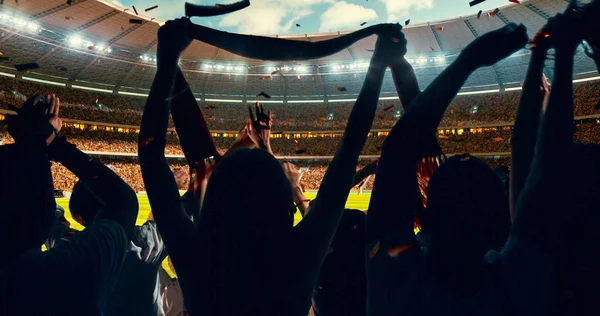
390, 45
259, 127
173, 39
37, 120
291, 173
495, 46
53, 118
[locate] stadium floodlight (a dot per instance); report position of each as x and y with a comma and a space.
109, 50
32, 27
74, 40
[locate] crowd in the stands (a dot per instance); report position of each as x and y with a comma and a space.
465, 110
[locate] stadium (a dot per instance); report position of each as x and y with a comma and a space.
102, 66
100, 59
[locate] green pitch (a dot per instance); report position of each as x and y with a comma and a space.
355, 201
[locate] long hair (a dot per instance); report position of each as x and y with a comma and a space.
246, 222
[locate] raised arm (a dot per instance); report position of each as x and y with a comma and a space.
544, 203
394, 197
526, 123
316, 230
195, 138
119, 201
168, 210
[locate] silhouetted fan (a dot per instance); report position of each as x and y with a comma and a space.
27, 66
340, 88
301, 151
475, 2
263, 94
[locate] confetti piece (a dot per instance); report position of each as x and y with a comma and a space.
443, 137
134, 10
263, 94
322, 118
395, 251
374, 250
363, 23
379, 116
297, 25
208, 117
210, 107
432, 49
387, 108
68, 18
122, 28
515, 1
301, 151
439, 28
27, 66
341, 89
151, 8
135, 21
370, 50
407, 22
496, 11
479, 14
264, 78
218, 5
147, 141
498, 139
475, 2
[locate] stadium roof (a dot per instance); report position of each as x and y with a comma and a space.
92, 43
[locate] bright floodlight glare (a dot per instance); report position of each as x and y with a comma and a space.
32, 27
74, 40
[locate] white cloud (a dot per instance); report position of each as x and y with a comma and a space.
270, 16
399, 9
343, 15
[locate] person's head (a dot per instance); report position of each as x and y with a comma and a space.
466, 208
246, 218
342, 284
27, 205
83, 205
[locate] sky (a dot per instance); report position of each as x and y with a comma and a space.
281, 16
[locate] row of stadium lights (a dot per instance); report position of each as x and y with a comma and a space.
76, 41
20, 24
